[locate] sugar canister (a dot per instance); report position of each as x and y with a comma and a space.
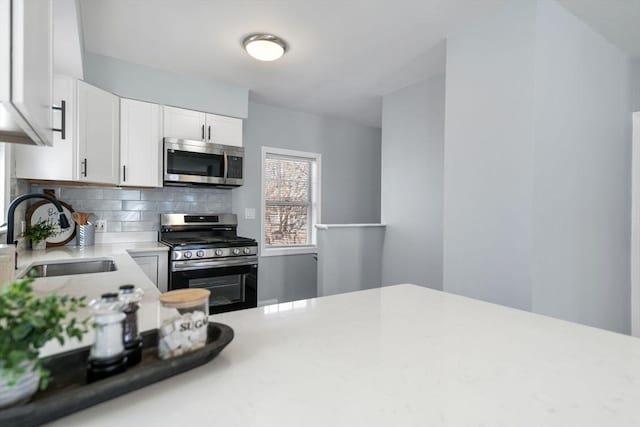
185, 316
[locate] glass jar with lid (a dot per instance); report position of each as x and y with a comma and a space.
184, 315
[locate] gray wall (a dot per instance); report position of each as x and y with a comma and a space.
139, 209
412, 183
635, 85
488, 158
350, 185
149, 84
537, 176
361, 269
582, 170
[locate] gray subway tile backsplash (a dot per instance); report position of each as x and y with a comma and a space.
120, 215
95, 205
136, 205
84, 193
139, 209
118, 194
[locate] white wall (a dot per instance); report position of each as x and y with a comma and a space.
350, 185
136, 81
412, 183
68, 46
488, 164
582, 160
537, 166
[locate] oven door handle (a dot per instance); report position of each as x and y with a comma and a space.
200, 265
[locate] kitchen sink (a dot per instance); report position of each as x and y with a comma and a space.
69, 268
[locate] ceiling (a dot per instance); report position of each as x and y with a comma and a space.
616, 20
344, 54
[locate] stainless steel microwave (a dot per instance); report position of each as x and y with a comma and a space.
202, 163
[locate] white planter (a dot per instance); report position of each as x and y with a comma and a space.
39, 246
22, 390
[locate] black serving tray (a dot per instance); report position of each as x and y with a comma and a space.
69, 392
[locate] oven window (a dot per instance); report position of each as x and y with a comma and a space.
200, 164
224, 289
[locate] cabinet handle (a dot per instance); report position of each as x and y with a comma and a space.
84, 163
63, 113
124, 173
203, 132
209, 132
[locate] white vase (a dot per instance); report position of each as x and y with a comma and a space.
22, 390
39, 245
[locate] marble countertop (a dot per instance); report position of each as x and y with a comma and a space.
95, 284
395, 356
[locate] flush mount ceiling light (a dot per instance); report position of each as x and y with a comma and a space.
264, 47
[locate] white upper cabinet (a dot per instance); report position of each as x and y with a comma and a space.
184, 124
58, 161
98, 135
188, 124
224, 130
26, 70
140, 144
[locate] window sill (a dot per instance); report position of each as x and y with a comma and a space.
288, 251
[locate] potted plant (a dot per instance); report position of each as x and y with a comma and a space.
39, 232
27, 322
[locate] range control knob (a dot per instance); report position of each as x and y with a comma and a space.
219, 252
187, 254
200, 254
236, 251
247, 251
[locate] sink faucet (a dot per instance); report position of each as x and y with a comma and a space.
62, 218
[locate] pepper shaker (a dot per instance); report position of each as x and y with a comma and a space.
107, 356
131, 296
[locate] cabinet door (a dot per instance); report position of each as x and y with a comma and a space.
98, 135
224, 130
31, 66
140, 144
57, 162
148, 264
156, 267
185, 124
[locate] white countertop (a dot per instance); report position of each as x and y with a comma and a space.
328, 226
95, 284
396, 356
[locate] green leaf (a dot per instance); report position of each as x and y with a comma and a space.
28, 322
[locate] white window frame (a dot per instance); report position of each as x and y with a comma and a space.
5, 180
316, 198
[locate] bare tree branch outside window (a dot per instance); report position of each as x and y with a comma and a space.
287, 197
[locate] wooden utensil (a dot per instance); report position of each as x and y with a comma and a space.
81, 218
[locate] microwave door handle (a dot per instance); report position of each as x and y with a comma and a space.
226, 167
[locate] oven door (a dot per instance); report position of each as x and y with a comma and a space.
194, 162
232, 282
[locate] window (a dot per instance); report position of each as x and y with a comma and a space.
290, 201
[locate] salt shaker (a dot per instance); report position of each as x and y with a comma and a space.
107, 356
131, 296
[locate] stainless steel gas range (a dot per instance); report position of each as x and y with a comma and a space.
206, 252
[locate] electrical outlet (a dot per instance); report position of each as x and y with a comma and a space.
101, 226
